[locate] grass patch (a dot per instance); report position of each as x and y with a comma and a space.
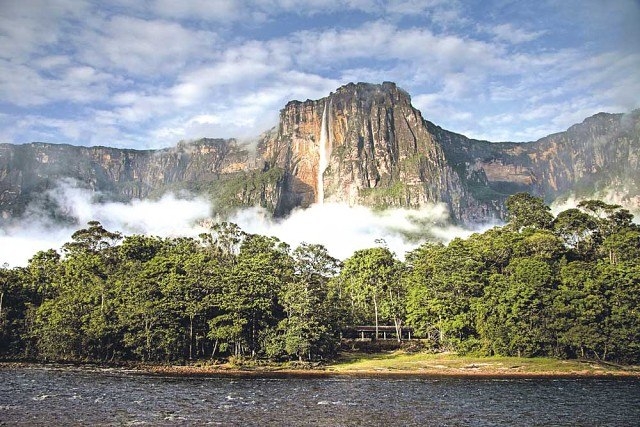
449, 363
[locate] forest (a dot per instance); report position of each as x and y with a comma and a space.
566, 286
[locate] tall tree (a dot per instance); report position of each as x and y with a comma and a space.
577, 229
514, 315
525, 210
443, 283
15, 300
369, 275
310, 328
249, 304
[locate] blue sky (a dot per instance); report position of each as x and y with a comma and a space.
150, 73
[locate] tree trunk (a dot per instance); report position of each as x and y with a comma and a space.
190, 337
375, 309
396, 321
215, 347
147, 331
398, 324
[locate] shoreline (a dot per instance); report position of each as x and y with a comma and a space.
277, 372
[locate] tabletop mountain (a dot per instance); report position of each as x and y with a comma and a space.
364, 144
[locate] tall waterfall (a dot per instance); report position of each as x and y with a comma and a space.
324, 148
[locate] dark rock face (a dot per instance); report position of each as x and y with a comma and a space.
363, 144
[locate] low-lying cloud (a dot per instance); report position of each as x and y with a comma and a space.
340, 228
610, 195
168, 216
343, 229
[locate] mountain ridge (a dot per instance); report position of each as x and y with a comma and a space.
363, 144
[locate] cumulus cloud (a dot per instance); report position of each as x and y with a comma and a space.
215, 10
27, 28
138, 74
144, 47
257, 11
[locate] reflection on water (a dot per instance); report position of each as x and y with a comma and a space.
46, 396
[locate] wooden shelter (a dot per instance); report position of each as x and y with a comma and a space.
385, 332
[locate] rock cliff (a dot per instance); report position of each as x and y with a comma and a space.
366, 144
363, 144
209, 166
598, 156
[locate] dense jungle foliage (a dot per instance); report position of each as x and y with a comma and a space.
567, 287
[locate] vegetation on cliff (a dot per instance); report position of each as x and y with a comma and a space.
565, 286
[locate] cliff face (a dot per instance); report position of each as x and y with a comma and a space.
28, 171
601, 154
363, 144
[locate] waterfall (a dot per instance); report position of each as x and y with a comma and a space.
324, 153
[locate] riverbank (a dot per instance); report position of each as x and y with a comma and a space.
396, 363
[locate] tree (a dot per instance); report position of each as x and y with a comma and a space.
91, 259
41, 274
310, 328
95, 238
14, 302
443, 283
541, 244
224, 241
249, 304
150, 328
622, 284
58, 327
577, 230
190, 283
525, 210
371, 276
623, 245
514, 312
580, 311
494, 248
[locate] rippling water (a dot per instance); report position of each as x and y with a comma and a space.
49, 396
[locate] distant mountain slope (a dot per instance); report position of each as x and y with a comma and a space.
363, 144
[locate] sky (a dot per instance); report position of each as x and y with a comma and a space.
148, 74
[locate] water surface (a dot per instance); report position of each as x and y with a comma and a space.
55, 396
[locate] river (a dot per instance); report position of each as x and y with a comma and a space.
49, 396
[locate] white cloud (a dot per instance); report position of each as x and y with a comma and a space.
258, 11
614, 196
168, 217
144, 47
138, 74
514, 35
342, 229
215, 10
27, 27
